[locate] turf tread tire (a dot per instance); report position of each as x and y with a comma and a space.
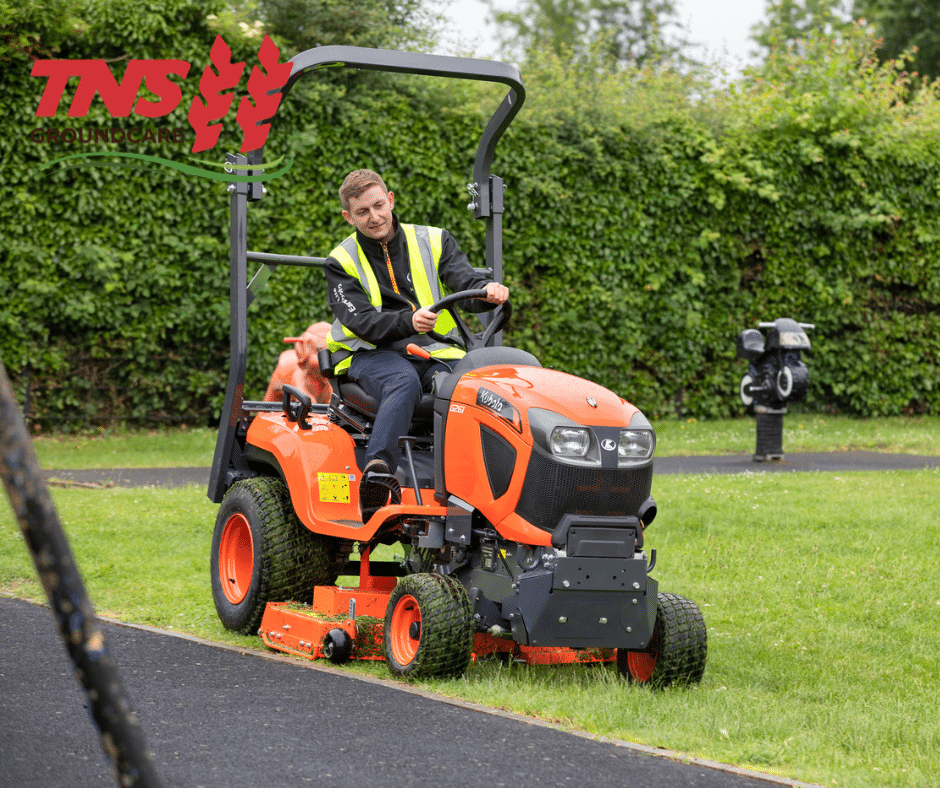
447, 628
289, 559
679, 644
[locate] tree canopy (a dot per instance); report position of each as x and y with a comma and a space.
789, 22
638, 32
906, 28
384, 24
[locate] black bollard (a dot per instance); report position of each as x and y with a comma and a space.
776, 376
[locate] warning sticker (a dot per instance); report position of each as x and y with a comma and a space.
334, 487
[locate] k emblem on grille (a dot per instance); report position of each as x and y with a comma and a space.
608, 445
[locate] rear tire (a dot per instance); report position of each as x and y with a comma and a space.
678, 647
428, 627
262, 553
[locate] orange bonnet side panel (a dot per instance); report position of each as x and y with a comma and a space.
489, 443
486, 447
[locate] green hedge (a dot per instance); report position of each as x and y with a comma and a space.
643, 230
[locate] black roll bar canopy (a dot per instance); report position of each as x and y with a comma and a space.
228, 464
429, 65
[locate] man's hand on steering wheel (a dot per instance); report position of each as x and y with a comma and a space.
424, 320
496, 293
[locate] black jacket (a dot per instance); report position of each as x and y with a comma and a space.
351, 305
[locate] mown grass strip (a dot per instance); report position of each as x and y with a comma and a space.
820, 593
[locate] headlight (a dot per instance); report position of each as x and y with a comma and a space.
635, 445
570, 441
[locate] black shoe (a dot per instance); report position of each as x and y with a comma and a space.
378, 488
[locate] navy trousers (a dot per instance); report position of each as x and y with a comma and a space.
397, 383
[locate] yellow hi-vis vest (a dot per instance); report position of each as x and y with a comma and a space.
425, 247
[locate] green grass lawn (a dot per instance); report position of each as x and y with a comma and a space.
178, 448
820, 592
802, 432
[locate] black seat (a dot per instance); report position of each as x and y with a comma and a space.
356, 397
351, 394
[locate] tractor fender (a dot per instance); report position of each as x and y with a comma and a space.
319, 466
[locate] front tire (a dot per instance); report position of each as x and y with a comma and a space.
677, 650
262, 553
428, 627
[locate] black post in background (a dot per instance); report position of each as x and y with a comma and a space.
769, 434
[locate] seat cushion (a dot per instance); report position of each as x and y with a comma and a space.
356, 397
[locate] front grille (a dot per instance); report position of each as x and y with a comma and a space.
552, 490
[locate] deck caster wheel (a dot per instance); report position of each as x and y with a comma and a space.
337, 646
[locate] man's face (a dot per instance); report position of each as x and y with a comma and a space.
371, 213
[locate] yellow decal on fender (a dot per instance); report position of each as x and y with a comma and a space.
334, 487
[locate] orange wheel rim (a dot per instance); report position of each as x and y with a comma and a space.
404, 646
236, 558
641, 665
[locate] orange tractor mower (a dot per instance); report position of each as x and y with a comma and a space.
524, 491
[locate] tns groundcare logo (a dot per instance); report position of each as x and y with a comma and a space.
209, 109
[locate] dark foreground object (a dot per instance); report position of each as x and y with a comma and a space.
218, 718
80, 632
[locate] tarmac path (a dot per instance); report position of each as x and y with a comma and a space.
218, 717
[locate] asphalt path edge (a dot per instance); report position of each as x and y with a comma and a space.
645, 749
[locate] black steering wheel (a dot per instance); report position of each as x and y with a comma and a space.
472, 341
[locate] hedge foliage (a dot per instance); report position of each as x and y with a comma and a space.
649, 218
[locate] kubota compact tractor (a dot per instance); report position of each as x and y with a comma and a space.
525, 491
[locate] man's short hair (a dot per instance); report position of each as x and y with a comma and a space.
357, 182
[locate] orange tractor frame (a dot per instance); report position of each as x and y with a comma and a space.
525, 491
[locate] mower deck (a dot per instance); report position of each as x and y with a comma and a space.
302, 630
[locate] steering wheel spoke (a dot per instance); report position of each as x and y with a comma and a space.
500, 317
